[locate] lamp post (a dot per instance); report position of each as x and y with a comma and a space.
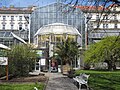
49, 65
88, 17
79, 59
50, 49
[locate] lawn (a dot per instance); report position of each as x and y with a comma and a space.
102, 80
22, 86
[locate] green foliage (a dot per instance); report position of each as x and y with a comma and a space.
2, 70
107, 50
27, 86
67, 51
3, 53
21, 60
102, 80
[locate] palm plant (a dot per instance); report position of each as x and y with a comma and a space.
67, 51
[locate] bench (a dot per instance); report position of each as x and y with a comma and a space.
82, 79
4, 77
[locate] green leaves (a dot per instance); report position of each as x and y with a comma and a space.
67, 51
107, 50
21, 60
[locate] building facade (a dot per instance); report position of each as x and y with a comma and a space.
101, 22
15, 20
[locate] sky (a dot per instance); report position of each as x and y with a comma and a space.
25, 3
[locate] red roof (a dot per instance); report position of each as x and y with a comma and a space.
86, 8
97, 8
15, 8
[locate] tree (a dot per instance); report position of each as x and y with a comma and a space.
107, 50
91, 2
102, 8
67, 51
21, 60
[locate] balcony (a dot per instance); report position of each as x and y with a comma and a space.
114, 20
100, 35
103, 29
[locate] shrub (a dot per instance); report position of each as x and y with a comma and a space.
21, 60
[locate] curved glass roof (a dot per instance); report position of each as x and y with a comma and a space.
57, 28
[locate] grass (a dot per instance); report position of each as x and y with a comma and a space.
102, 80
22, 86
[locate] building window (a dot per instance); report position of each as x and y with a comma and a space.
3, 27
12, 26
26, 26
97, 17
97, 25
4, 17
114, 17
91, 25
12, 18
89, 16
20, 18
105, 17
105, 25
115, 25
114, 9
20, 27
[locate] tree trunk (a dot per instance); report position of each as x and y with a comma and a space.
71, 65
61, 66
111, 65
114, 67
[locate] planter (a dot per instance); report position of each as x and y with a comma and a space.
66, 69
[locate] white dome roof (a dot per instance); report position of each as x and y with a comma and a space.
57, 28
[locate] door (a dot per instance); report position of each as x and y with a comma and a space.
37, 65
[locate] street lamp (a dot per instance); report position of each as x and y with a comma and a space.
88, 17
50, 49
79, 59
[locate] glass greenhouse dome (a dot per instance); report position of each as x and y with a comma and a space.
57, 13
55, 33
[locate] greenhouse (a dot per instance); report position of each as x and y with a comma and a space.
57, 13
55, 33
51, 24
48, 36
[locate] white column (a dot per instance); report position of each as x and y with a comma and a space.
39, 65
50, 52
86, 33
29, 29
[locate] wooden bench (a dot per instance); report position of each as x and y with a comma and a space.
4, 77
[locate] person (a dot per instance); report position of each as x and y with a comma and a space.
54, 66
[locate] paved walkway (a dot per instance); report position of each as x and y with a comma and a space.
57, 81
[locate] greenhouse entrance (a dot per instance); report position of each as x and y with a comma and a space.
47, 38
42, 61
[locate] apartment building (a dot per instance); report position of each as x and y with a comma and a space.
14, 21
101, 22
